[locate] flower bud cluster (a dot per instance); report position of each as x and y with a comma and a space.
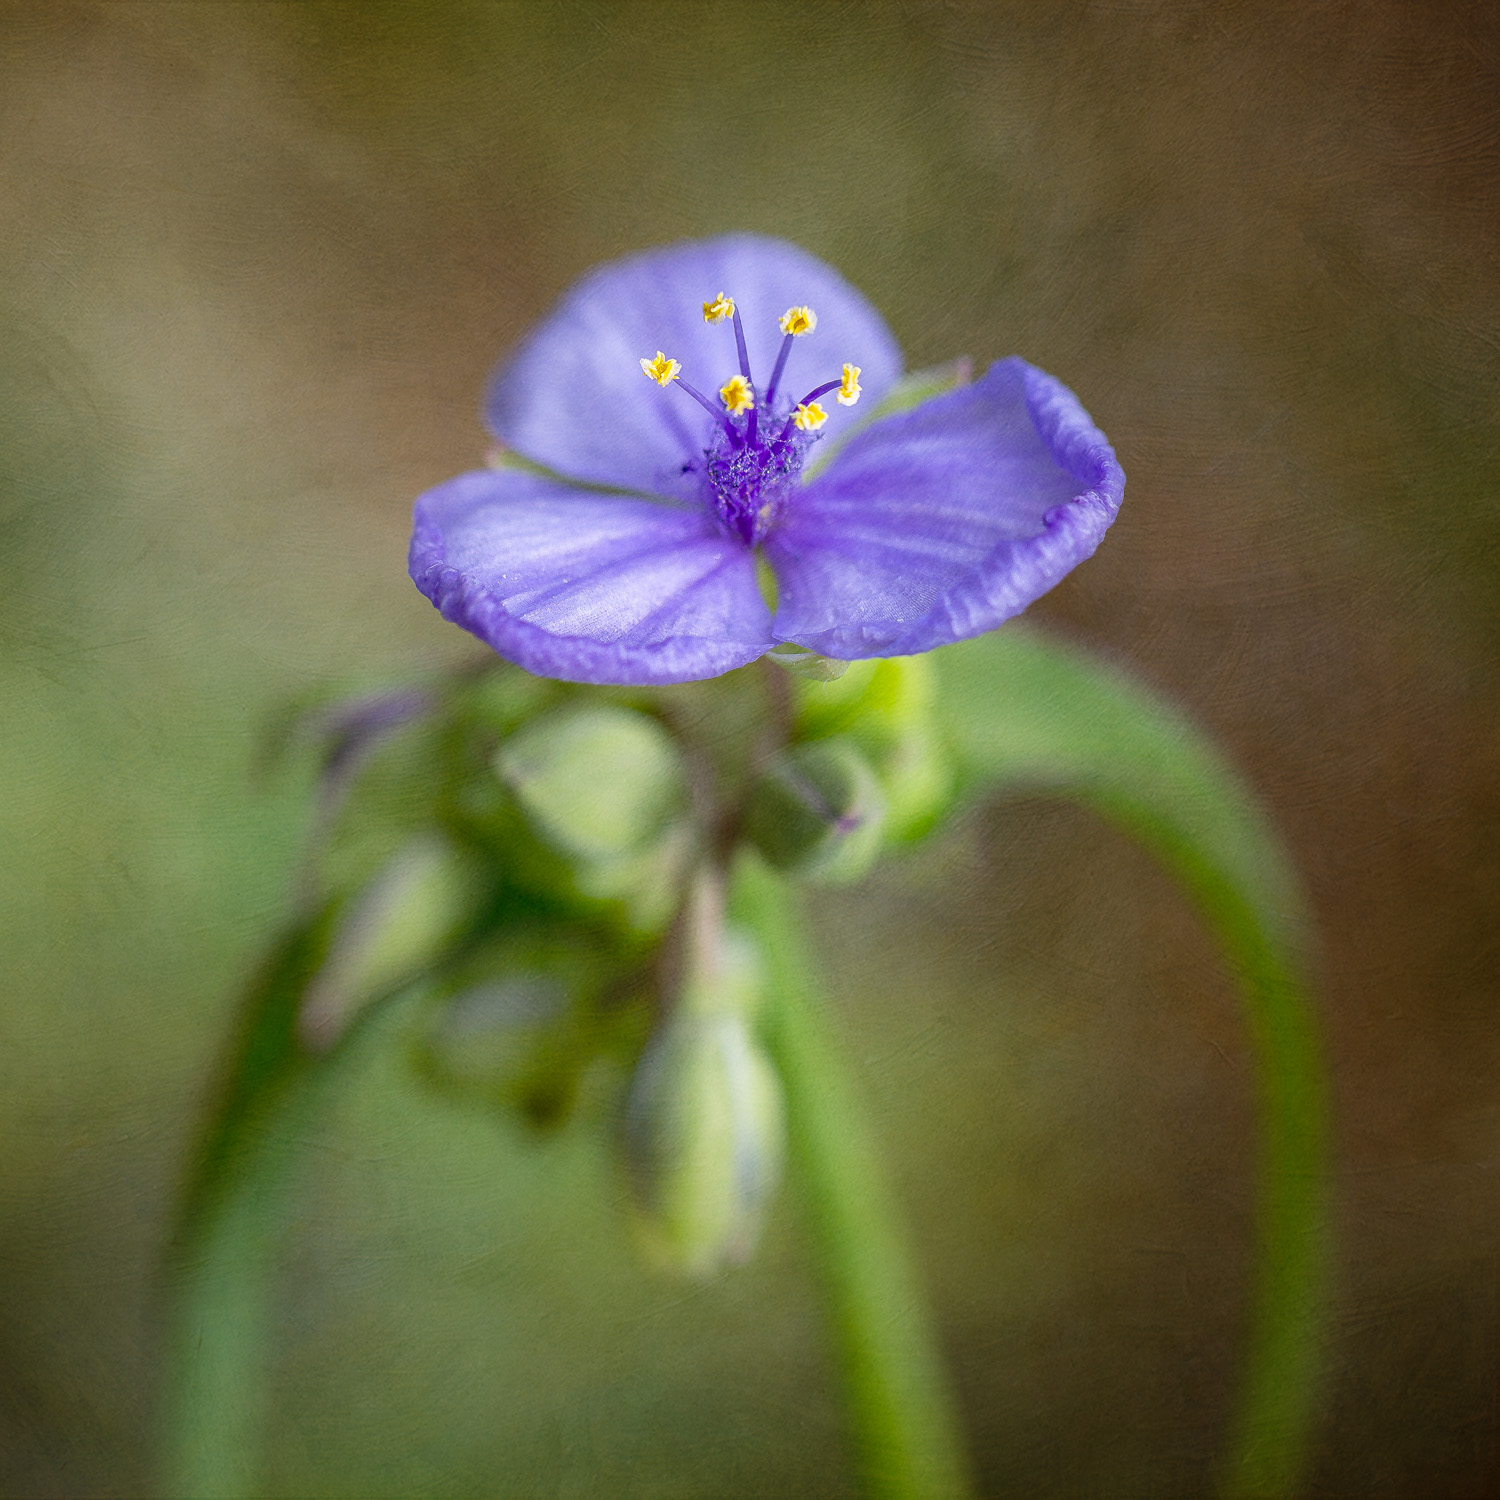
553, 859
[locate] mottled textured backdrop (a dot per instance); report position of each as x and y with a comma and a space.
256, 261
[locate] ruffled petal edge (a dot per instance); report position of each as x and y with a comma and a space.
1015, 572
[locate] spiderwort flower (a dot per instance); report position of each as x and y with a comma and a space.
623, 547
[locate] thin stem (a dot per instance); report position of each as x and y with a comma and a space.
1276, 1405
902, 1414
781, 705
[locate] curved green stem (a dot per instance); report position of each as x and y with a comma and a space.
230, 1229
1040, 717
904, 1424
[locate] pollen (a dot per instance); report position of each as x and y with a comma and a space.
720, 308
661, 369
849, 386
809, 417
737, 394
798, 320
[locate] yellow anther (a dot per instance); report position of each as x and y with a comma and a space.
809, 417
720, 308
797, 320
661, 369
849, 386
737, 394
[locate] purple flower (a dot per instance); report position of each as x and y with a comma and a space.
623, 548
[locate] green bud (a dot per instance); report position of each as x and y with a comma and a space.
704, 1140
817, 812
597, 783
378, 795
525, 1015
646, 886
886, 707
398, 925
704, 1128
511, 1041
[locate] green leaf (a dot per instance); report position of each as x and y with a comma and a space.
1028, 714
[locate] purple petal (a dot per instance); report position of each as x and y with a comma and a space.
940, 523
574, 399
588, 587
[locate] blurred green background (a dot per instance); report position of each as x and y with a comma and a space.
256, 261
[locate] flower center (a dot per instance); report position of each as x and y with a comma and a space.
762, 438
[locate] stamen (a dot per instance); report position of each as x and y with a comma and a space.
665, 371
716, 412
752, 427
796, 321
661, 369
715, 312
737, 394
808, 415
822, 390
807, 407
